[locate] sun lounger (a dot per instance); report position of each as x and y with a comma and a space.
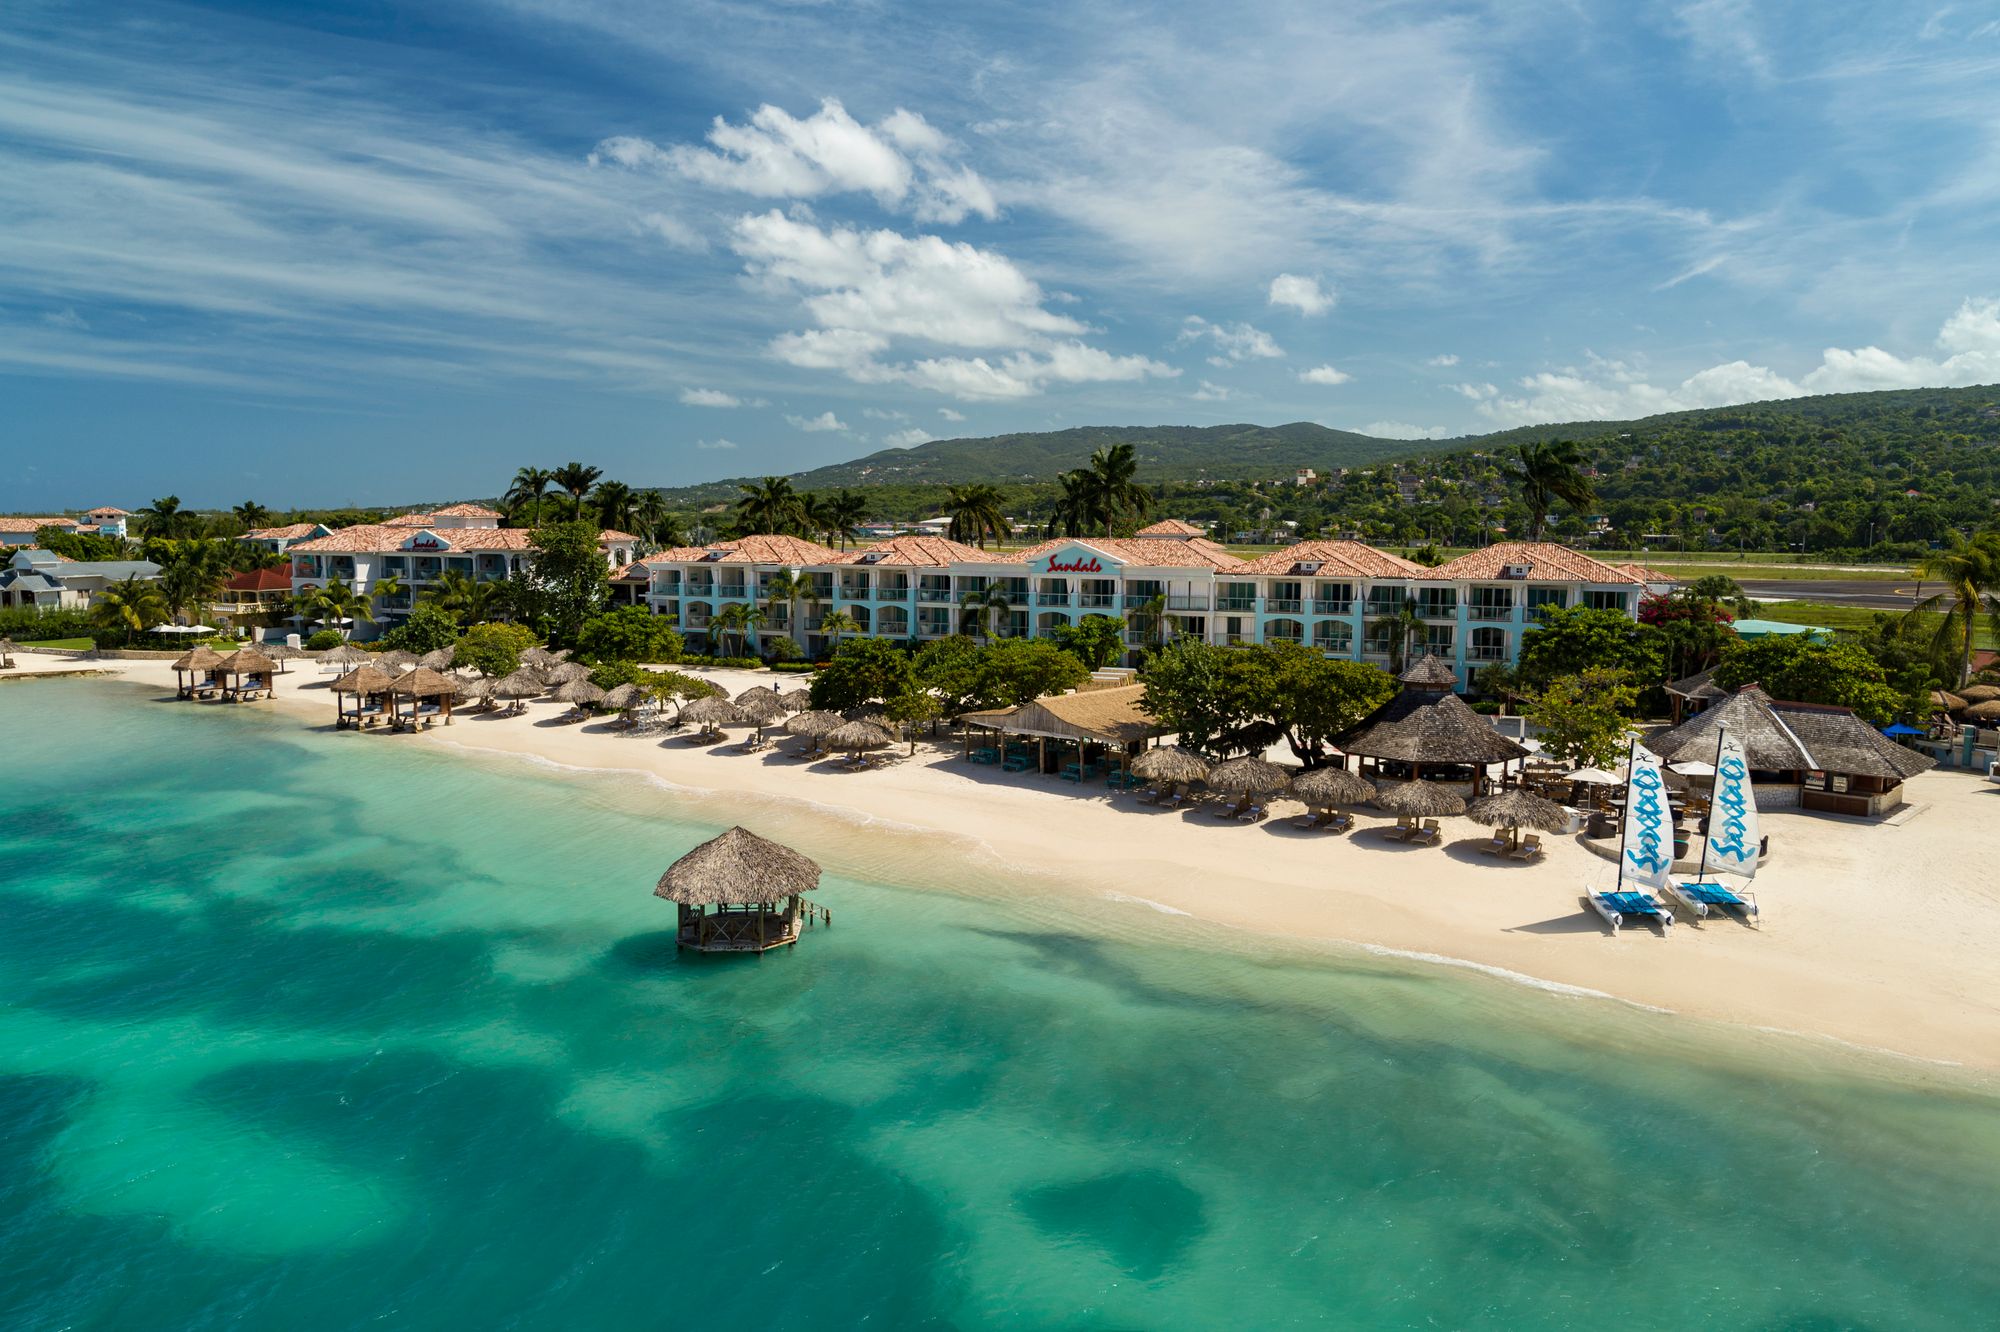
1313, 822
1621, 907
1429, 832
1253, 814
1702, 898
1529, 849
1235, 811
1341, 822
1498, 845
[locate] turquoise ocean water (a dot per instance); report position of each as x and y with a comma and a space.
314, 1031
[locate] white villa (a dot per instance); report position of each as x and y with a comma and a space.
104, 520
1326, 594
416, 548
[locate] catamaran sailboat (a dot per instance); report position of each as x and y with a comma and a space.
1732, 842
1645, 848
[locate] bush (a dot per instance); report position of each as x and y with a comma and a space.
325, 640
629, 633
494, 650
739, 663
611, 674
795, 667
1486, 707
426, 630
782, 649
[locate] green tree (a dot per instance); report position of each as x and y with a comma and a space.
80, 545
1112, 488
911, 709
575, 480
164, 517
836, 623
629, 633
494, 650
1151, 622
1572, 639
1583, 717
525, 493
1402, 629
656, 523
335, 604
985, 608
133, 607
1070, 517
769, 506
1186, 691
615, 504
425, 629
948, 668
193, 574
1094, 640
1549, 472
1308, 696
252, 515
726, 628
570, 578
789, 588
863, 670
1797, 669
1969, 568
975, 514
1014, 671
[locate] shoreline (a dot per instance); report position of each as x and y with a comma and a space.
1875, 946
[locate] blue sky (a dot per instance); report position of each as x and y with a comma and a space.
365, 253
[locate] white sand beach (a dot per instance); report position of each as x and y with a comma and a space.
1880, 934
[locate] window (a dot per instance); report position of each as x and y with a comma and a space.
1489, 644
1335, 636
1492, 603
1614, 601
1438, 603
1555, 598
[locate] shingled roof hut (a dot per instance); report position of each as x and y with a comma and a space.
1829, 758
730, 890
1114, 720
1425, 732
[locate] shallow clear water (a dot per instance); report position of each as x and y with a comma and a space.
322, 1031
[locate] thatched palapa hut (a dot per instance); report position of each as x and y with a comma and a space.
430, 694
1426, 731
396, 661
711, 714
854, 737
246, 673
202, 667
1098, 723
730, 890
1515, 809
441, 659
369, 686
1170, 766
1418, 800
1329, 788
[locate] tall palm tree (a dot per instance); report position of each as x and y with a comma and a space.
338, 605
787, 588
1402, 627
1151, 622
728, 623
164, 517
132, 605
575, 480
976, 511
615, 503
1549, 472
1969, 568
838, 622
844, 513
1072, 513
769, 506
193, 574
985, 608
656, 523
526, 492
252, 515
1111, 482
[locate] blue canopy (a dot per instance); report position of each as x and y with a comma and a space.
1898, 729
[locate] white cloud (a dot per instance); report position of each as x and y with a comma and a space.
1212, 393
1443, 361
1233, 342
1402, 430
1324, 374
950, 415
868, 290
673, 231
903, 161
66, 318
814, 425
906, 439
884, 414
715, 443
708, 397
1605, 390
1305, 294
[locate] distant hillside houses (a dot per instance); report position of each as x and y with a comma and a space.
19, 530
43, 580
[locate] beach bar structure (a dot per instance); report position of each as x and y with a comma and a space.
1802, 755
1114, 720
1427, 733
741, 893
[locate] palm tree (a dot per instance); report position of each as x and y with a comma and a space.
789, 587
526, 491
1150, 620
985, 608
164, 517
753, 620
1071, 515
132, 605
337, 604
975, 511
193, 574
576, 480
843, 513
615, 503
452, 592
1402, 627
656, 524
252, 515
769, 506
1549, 472
1969, 568
1110, 481
838, 622
729, 622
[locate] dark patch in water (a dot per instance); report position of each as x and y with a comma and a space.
1143, 1220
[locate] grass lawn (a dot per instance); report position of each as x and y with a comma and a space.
1790, 573
74, 644
1847, 619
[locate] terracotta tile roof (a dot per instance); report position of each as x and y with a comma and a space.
1171, 527
1645, 575
388, 539
465, 510
634, 570
409, 520
1546, 561
752, 550
289, 532
1195, 552
1355, 558
607, 534
926, 552
30, 524
107, 511
260, 580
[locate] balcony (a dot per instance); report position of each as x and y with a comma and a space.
1098, 601
1335, 647
934, 596
1480, 652
1333, 608
1283, 606
1241, 604
855, 592
1238, 640
1491, 613
1438, 610
1052, 599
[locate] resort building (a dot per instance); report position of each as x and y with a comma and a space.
1344, 598
45, 580
417, 549
105, 521
253, 592
278, 540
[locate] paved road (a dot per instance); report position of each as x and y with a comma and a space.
1860, 593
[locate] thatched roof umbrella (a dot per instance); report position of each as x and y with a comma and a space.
798, 700
563, 672
814, 724
475, 689
763, 710
1170, 765
1515, 809
284, 652
1332, 787
1421, 800
1424, 727
523, 683
580, 692
538, 656
1249, 776
855, 736
712, 714
396, 661
1986, 712
736, 869
347, 654
441, 659
625, 697
1947, 700
755, 692
1980, 693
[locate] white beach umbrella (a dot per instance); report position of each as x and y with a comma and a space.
1693, 768
1594, 776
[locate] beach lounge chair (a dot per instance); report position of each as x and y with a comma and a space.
1702, 898
1498, 845
1340, 822
1620, 907
1236, 811
1405, 828
1253, 814
1430, 832
1529, 849
1315, 821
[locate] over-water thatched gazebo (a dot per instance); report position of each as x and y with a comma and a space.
370, 686
730, 890
430, 695
246, 673
201, 665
